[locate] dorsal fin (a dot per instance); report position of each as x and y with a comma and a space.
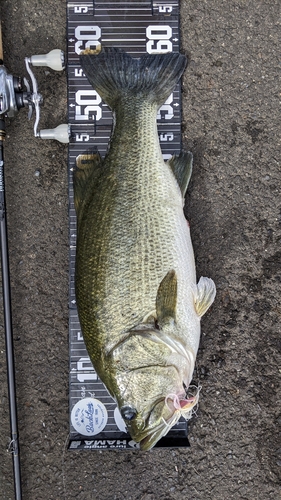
88, 168
182, 168
166, 300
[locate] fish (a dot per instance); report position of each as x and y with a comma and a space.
138, 301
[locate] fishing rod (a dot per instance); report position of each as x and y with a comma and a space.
15, 93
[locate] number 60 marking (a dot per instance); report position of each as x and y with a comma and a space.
88, 37
159, 39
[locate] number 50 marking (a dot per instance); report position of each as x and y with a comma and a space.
88, 104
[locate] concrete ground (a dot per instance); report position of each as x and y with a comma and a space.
231, 122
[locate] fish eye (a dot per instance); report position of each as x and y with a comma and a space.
128, 412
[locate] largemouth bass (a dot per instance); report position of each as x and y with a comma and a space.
138, 301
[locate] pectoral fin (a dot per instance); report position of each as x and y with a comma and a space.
182, 168
88, 168
204, 295
166, 300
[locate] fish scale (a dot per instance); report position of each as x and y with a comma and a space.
144, 199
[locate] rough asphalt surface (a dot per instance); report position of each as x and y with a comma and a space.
231, 123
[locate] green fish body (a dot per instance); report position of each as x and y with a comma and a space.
138, 302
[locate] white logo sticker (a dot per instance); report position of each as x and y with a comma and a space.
89, 416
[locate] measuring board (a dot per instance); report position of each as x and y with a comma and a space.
137, 27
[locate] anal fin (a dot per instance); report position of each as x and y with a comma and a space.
204, 295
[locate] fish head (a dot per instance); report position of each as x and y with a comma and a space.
150, 386
152, 368
150, 420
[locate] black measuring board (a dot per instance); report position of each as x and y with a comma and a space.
138, 27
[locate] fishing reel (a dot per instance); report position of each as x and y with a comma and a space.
16, 93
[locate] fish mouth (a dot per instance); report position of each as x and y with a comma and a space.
149, 433
155, 435
181, 408
150, 436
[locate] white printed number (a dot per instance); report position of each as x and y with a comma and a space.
165, 9
87, 105
85, 370
166, 137
78, 72
159, 39
83, 9
82, 137
166, 111
88, 37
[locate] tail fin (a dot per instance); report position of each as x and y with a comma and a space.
115, 74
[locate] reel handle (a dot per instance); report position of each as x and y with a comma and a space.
54, 60
60, 133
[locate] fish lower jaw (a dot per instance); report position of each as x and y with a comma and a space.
154, 435
180, 406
